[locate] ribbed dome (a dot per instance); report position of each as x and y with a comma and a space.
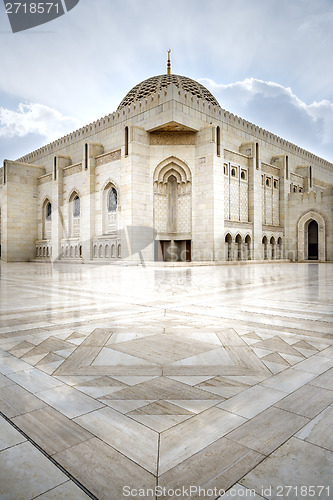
158, 83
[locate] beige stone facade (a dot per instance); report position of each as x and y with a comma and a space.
169, 176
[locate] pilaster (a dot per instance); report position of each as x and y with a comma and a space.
91, 150
255, 201
57, 232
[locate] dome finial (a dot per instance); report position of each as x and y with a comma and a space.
169, 63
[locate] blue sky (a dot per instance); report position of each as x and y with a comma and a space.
269, 61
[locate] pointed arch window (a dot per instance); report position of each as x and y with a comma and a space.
112, 200
75, 215
76, 206
48, 211
47, 215
110, 208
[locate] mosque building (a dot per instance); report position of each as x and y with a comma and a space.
169, 176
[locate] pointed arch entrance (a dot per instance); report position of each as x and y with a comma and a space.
311, 244
312, 240
173, 210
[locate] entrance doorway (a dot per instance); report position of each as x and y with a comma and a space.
313, 240
173, 251
311, 237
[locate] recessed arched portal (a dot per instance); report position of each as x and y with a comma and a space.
313, 240
173, 210
311, 237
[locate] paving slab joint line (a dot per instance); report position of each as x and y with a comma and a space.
64, 471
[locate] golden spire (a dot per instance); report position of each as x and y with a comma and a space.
169, 63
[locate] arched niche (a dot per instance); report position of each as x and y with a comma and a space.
173, 198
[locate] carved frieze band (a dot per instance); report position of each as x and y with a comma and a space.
108, 157
44, 179
72, 169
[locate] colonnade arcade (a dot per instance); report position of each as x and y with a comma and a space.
237, 247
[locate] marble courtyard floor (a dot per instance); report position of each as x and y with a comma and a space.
119, 378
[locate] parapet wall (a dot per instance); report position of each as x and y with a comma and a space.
152, 105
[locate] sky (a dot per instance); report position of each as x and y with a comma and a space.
268, 61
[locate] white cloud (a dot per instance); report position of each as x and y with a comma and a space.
277, 109
322, 113
34, 118
84, 62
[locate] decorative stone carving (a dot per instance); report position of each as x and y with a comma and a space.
108, 157
72, 169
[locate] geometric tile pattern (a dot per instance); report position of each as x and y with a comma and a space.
188, 376
169, 354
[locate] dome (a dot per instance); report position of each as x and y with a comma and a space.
158, 83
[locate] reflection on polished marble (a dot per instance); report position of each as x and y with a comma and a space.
132, 376
295, 464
